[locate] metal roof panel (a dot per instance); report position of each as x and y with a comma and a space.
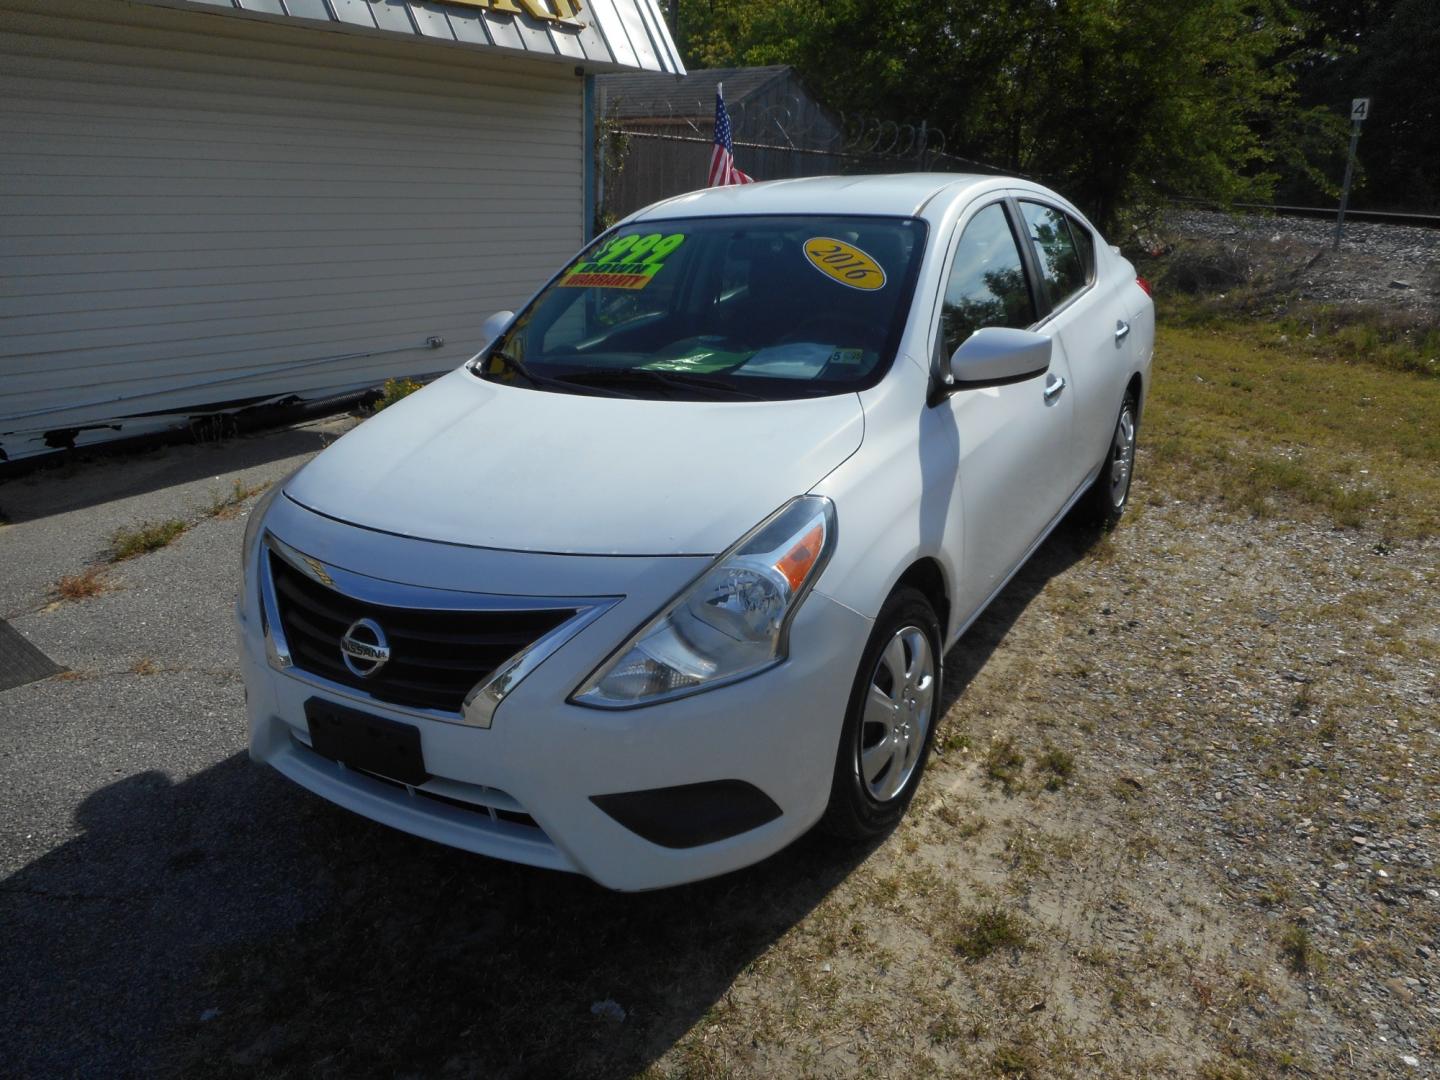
393, 15
608, 34
356, 12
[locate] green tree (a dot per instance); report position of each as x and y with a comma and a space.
1388, 51
1117, 103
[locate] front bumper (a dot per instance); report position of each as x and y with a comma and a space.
522, 789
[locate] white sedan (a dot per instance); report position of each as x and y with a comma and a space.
665, 575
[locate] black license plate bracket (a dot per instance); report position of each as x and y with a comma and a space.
363, 741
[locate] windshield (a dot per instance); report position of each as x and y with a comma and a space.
734, 307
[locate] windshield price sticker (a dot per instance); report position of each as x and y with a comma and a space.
627, 262
844, 263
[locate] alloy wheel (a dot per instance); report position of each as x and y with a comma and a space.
899, 702
1122, 458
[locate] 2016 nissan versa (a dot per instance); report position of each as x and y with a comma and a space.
665, 574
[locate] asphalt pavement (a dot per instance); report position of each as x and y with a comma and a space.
136, 838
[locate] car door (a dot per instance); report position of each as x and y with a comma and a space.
1013, 475
1087, 321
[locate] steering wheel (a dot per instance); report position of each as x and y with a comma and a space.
831, 327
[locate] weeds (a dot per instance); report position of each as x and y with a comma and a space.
981, 931
1057, 765
960, 741
151, 536
961, 823
1004, 763
395, 390
1018, 1061
1303, 701
227, 504
82, 586
1296, 948
1126, 788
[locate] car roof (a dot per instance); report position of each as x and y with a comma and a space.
900, 194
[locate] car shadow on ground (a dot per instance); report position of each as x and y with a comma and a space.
231, 923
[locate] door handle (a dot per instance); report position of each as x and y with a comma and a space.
1053, 386
1121, 329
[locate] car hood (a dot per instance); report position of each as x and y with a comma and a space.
468, 461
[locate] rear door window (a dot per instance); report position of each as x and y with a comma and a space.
1062, 273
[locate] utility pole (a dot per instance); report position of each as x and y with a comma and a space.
1359, 110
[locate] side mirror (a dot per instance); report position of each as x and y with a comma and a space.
495, 325
996, 355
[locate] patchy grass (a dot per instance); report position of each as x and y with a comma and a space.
1126, 788
151, 536
1056, 766
1297, 949
982, 931
1004, 764
1270, 425
1350, 333
89, 582
1017, 1061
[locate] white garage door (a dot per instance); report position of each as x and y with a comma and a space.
200, 209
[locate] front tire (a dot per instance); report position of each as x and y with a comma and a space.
1105, 502
890, 722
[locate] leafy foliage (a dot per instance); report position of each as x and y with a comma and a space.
1116, 102
1388, 51
395, 390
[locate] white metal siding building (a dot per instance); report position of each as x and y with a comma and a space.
206, 204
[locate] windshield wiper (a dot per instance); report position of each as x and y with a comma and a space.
515, 365
537, 380
676, 380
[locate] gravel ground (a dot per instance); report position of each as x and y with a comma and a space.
1395, 266
1276, 706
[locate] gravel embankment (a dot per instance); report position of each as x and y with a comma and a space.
1397, 266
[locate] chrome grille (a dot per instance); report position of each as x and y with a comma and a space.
436, 656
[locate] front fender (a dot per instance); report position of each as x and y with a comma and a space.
897, 499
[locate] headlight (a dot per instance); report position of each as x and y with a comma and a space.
731, 622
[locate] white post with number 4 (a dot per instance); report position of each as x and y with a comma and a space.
1359, 112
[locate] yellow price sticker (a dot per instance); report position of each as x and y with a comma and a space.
844, 263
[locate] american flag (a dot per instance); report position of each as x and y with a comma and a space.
722, 158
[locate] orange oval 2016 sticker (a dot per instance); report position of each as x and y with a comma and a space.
845, 263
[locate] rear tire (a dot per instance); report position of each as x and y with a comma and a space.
1105, 501
890, 722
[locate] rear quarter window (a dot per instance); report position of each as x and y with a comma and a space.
1084, 246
